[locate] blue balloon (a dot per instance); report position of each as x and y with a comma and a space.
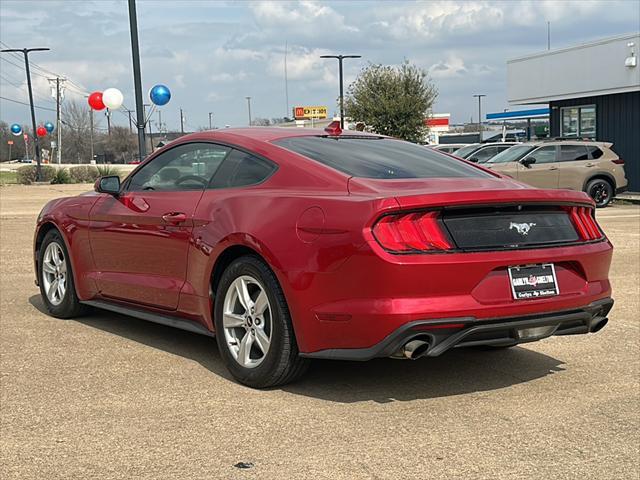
160, 95
16, 129
48, 127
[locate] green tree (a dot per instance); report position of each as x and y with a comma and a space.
392, 100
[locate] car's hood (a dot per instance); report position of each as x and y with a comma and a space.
460, 191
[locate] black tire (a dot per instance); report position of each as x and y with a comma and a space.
601, 191
281, 364
69, 305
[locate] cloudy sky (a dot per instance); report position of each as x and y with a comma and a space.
212, 54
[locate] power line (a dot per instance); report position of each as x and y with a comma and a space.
25, 103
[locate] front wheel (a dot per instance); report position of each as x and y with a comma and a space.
56, 278
253, 326
601, 191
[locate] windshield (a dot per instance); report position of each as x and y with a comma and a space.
464, 152
511, 154
381, 158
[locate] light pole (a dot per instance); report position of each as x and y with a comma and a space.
137, 80
210, 115
480, 115
25, 52
249, 107
340, 59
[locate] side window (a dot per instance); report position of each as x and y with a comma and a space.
485, 153
185, 167
594, 152
241, 169
544, 155
573, 153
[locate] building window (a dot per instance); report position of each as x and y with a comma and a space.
578, 121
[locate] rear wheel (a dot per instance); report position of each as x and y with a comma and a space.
56, 278
253, 326
601, 191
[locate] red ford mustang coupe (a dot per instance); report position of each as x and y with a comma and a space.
294, 244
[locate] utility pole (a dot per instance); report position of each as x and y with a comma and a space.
108, 115
181, 121
286, 81
129, 112
548, 35
149, 123
249, 107
210, 126
57, 92
137, 80
479, 96
340, 59
160, 122
91, 134
25, 52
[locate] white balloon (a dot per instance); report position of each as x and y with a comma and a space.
112, 98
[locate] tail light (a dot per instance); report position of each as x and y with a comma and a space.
585, 223
618, 161
411, 232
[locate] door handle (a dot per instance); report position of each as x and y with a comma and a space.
553, 168
590, 165
174, 218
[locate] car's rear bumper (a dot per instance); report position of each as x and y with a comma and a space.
445, 334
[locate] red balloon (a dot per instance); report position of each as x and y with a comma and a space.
95, 101
41, 131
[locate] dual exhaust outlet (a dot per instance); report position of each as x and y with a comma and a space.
415, 349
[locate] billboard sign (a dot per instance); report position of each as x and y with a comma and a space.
305, 113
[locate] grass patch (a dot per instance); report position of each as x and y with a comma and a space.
8, 177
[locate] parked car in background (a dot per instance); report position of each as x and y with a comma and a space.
449, 147
590, 166
26, 160
481, 152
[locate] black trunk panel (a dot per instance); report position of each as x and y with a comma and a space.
509, 227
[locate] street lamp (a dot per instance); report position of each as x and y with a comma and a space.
210, 115
340, 58
249, 107
480, 115
25, 52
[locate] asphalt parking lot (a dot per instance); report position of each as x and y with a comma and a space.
106, 396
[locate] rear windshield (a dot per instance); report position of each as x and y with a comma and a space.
511, 154
380, 158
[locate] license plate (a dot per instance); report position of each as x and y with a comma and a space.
533, 281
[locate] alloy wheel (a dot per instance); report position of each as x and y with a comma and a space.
246, 320
600, 193
54, 273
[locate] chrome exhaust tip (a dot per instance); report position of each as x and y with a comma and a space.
415, 349
598, 325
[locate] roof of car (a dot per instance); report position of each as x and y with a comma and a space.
565, 141
268, 134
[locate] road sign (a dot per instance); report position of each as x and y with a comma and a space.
9, 142
302, 113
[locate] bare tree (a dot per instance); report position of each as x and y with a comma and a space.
76, 132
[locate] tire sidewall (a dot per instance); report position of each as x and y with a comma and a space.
255, 268
608, 186
69, 300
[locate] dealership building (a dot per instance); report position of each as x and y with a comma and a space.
592, 90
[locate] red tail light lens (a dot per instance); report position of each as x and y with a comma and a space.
618, 161
411, 232
585, 223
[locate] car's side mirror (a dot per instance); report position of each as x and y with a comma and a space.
527, 162
108, 184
